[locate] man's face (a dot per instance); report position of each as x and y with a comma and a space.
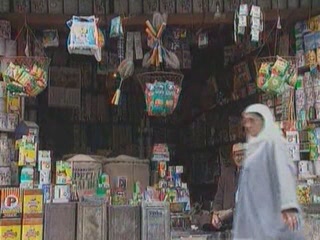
238, 157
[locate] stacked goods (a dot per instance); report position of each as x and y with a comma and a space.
22, 79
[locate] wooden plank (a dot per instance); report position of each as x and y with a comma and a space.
58, 21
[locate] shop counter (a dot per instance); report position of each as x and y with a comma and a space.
312, 221
199, 235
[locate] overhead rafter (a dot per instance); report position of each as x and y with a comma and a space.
40, 21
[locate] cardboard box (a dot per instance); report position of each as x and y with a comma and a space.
32, 203
11, 203
32, 229
10, 229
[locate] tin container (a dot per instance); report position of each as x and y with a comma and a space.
5, 29
200, 6
121, 7
55, 6
124, 222
168, 6
86, 7
92, 221
39, 6
10, 229
184, 6
70, 7
150, 6
60, 221
21, 6
227, 5
101, 7
155, 221
266, 4
32, 229
282, 4
292, 4
32, 203
135, 7
4, 6
5, 176
304, 3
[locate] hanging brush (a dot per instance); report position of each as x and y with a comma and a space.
125, 70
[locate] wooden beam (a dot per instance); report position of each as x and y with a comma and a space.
40, 21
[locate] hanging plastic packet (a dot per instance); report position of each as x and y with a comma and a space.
85, 38
116, 29
243, 10
50, 38
203, 40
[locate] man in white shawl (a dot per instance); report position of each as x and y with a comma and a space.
266, 202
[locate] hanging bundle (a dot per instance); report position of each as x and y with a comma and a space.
26, 75
159, 55
125, 70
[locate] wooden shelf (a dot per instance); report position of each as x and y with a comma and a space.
40, 21
7, 130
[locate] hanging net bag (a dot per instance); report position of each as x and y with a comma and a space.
26, 75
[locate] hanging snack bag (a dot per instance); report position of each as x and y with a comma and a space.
264, 74
159, 99
50, 38
280, 67
148, 97
169, 96
176, 95
116, 29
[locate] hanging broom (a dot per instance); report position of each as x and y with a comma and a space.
125, 70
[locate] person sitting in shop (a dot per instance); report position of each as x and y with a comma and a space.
224, 200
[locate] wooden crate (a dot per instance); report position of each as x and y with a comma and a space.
21, 6
121, 7
155, 221
150, 6
92, 221
282, 4
101, 7
265, 4
184, 6
55, 6
124, 222
70, 7
200, 6
39, 6
4, 6
167, 6
86, 7
135, 7
60, 221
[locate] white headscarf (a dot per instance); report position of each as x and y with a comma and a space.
270, 131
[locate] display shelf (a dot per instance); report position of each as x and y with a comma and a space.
58, 21
7, 130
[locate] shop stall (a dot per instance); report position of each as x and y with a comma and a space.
109, 82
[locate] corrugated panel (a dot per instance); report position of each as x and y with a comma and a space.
60, 221
92, 221
124, 223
